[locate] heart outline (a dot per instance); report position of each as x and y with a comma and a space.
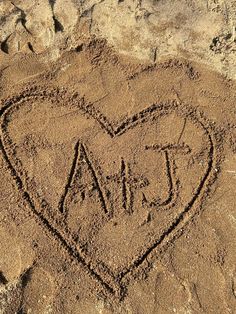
114, 285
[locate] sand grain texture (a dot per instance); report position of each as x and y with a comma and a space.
117, 174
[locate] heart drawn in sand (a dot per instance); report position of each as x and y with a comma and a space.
111, 194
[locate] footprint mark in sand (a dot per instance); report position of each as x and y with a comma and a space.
31, 292
10, 257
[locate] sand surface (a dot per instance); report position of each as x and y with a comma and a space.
117, 169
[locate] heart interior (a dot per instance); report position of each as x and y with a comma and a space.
114, 193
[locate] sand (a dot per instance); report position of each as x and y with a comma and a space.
203, 30
117, 183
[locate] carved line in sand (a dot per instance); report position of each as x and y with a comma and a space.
42, 210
